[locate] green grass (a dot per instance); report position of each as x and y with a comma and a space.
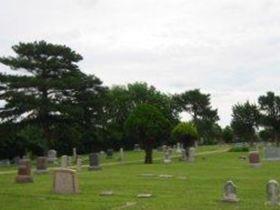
202, 190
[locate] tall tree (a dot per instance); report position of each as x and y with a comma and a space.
147, 124
122, 101
270, 113
198, 105
227, 134
186, 133
245, 121
90, 100
45, 90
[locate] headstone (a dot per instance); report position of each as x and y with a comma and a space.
94, 162
106, 193
183, 154
164, 148
167, 156
109, 153
144, 195
16, 160
42, 165
273, 193
75, 153
137, 147
191, 155
254, 159
69, 161
52, 155
121, 154
64, 161
178, 148
24, 172
79, 163
230, 192
65, 181
272, 153
5, 162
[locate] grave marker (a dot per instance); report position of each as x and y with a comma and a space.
65, 181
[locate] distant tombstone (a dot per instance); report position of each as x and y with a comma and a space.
109, 153
254, 159
94, 162
69, 161
24, 172
52, 155
164, 148
238, 145
272, 153
230, 192
273, 193
79, 163
121, 154
42, 165
65, 181
191, 154
75, 153
16, 160
137, 147
183, 154
5, 162
167, 157
64, 161
178, 148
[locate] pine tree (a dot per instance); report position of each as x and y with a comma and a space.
44, 91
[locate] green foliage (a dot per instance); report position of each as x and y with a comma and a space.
45, 94
245, 121
239, 149
198, 105
146, 123
270, 113
33, 136
123, 100
266, 135
185, 129
227, 134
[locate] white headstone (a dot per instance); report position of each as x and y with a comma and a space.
121, 154
79, 164
64, 161
273, 192
230, 192
191, 155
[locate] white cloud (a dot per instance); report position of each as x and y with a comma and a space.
227, 48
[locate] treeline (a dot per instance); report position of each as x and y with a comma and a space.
257, 122
50, 103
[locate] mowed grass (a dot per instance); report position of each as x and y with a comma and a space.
201, 190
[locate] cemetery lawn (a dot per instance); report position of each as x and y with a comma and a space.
194, 186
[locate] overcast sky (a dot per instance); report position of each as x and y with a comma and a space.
229, 48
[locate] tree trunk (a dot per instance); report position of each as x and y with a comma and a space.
149, 154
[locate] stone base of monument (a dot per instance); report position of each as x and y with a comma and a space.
41, 171
255, 165
167, 161
94, 168
230, 199
24, 179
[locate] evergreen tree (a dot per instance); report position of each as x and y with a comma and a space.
44, 91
